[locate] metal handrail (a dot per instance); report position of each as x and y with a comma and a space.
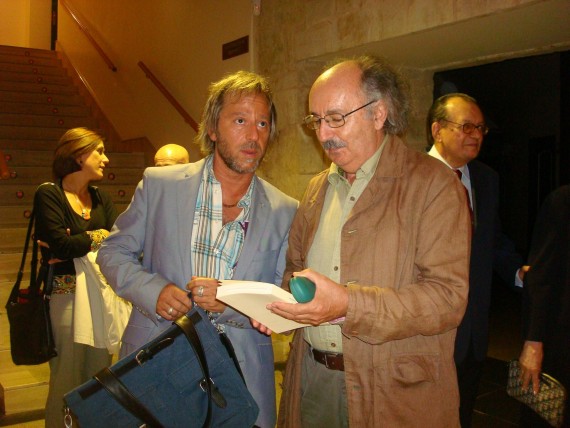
187, 118
85, 30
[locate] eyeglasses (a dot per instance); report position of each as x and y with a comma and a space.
469, 127
334, 120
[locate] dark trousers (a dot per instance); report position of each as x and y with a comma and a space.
469, 373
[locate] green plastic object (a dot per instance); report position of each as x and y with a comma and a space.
303, 289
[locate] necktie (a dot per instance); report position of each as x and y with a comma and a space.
460, 174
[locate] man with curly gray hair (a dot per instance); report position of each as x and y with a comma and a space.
384, 235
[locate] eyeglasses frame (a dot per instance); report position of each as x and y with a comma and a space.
483, 129
307, 124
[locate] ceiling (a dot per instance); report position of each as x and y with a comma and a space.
535, 29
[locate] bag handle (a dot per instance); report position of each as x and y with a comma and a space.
110, 381
120, 393
16, 288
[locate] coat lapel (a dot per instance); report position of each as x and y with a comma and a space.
187, 191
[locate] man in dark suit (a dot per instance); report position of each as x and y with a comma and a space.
455, 128
546, 313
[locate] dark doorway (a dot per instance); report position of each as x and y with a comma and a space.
525, 101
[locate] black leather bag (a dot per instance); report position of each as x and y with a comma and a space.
186, 377
31, 336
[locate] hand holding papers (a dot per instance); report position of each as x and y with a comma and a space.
251, 299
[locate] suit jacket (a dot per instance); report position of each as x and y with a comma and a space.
490, 250
547, 285
158, 224
404, 259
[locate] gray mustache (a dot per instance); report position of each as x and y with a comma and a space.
333, 144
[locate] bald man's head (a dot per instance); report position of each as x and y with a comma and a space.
171, 154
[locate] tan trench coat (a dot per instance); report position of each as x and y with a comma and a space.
405, 260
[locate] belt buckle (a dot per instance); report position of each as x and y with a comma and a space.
327, 365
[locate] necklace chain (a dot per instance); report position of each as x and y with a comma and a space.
85, 212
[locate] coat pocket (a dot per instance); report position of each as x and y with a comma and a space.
415, 369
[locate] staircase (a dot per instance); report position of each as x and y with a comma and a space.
38, 103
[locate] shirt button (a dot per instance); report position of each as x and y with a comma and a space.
335, 268
352, 198
333, 345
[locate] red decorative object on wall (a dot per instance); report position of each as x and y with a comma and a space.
19, 194
111, 176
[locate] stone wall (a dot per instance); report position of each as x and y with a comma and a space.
295, 38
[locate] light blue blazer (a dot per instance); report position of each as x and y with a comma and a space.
158, 224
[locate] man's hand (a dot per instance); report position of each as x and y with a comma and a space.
172, 302
204, 293
260, 327
531, 364
330, 302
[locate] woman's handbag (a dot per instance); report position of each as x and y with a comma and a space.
185, 377
31, 336
548, 403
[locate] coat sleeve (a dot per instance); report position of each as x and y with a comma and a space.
547, 256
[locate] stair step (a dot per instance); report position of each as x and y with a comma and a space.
25, 387
41, 98
43, 109
23, 194
40, 61
12, 241
30, 132
9, 266
47, 121
34, 87
44, 158
41, 174
27, 52
32, 69
13, 216
54, 79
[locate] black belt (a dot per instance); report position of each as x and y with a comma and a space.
330, 360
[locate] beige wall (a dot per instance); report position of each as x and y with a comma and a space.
420, 36
25, 23
180, 41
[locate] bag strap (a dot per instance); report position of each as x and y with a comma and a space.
119, 391
16, 288
187, 325
110, 381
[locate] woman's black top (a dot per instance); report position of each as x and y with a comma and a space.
54, 215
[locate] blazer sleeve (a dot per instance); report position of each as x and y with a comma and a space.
120, 254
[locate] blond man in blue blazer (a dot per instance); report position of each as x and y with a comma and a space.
203, 222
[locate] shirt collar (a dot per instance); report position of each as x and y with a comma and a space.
435, 153
366, 171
